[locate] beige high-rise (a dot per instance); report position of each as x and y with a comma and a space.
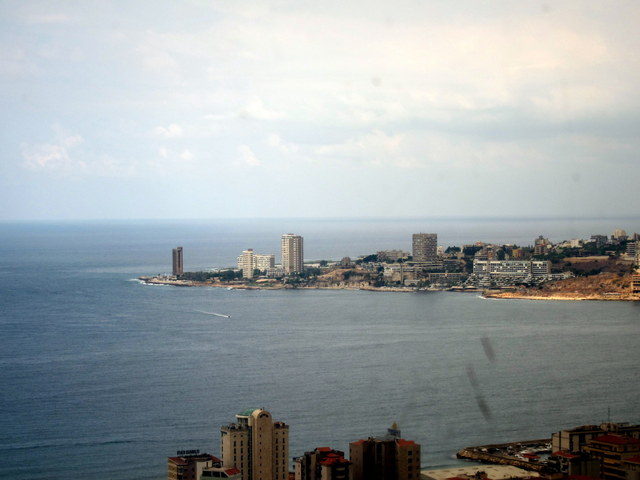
248, 263
292, 253
256, 445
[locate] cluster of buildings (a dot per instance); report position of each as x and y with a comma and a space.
610, 451
292, 254
478, 265
256, 447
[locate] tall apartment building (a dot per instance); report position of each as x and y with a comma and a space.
385, 458
178, 266
248, 263
292, 253
323, 463
256, 445
425, 247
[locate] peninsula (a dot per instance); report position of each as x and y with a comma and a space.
602, 268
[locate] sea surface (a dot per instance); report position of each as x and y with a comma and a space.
102, 377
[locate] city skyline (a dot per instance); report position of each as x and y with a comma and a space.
170, 110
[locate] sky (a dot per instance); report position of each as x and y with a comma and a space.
295, 108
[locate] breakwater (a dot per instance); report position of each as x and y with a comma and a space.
518, 454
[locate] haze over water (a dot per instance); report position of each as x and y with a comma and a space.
104, 377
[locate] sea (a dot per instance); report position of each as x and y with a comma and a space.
103, 377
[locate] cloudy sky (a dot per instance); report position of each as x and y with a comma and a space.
296, 108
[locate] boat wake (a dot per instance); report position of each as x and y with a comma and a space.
213, 313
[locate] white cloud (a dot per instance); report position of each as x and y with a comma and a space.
186, 155
172, 131
256, 109
54, 156
47, 18
247, 156
274, 141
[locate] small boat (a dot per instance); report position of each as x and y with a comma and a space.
214, 313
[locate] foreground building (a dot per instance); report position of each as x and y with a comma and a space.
573, 440
256, 445
323, 463
292, 253
385, 458
189, 465
611, 450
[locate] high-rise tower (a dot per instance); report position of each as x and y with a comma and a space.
256, 445
292, 253
178, 267
425, 247
248, 263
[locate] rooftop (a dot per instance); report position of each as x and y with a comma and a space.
247, 412
616, 439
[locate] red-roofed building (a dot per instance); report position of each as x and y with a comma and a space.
631, 467
323, 463
189, 465
611, 450
386, 458
574, 439
221, 472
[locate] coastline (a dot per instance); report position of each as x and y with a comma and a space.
241, 286
491, 294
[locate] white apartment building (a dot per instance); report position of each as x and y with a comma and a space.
516, 268
292, 253
249, 260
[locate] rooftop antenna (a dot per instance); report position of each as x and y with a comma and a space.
608, 414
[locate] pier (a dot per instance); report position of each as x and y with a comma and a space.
525, 455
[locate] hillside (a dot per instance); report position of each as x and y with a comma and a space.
604, 286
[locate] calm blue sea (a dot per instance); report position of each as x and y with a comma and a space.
102, 377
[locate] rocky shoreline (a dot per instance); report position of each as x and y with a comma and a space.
161, 280
553, 294
562, 296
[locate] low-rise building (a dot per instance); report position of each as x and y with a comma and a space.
323, 463
391, 255
513, 268
631, 467
221, 472
189, 465
611, 450
572, 440
385, 458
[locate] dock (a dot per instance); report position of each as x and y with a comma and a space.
518, 454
